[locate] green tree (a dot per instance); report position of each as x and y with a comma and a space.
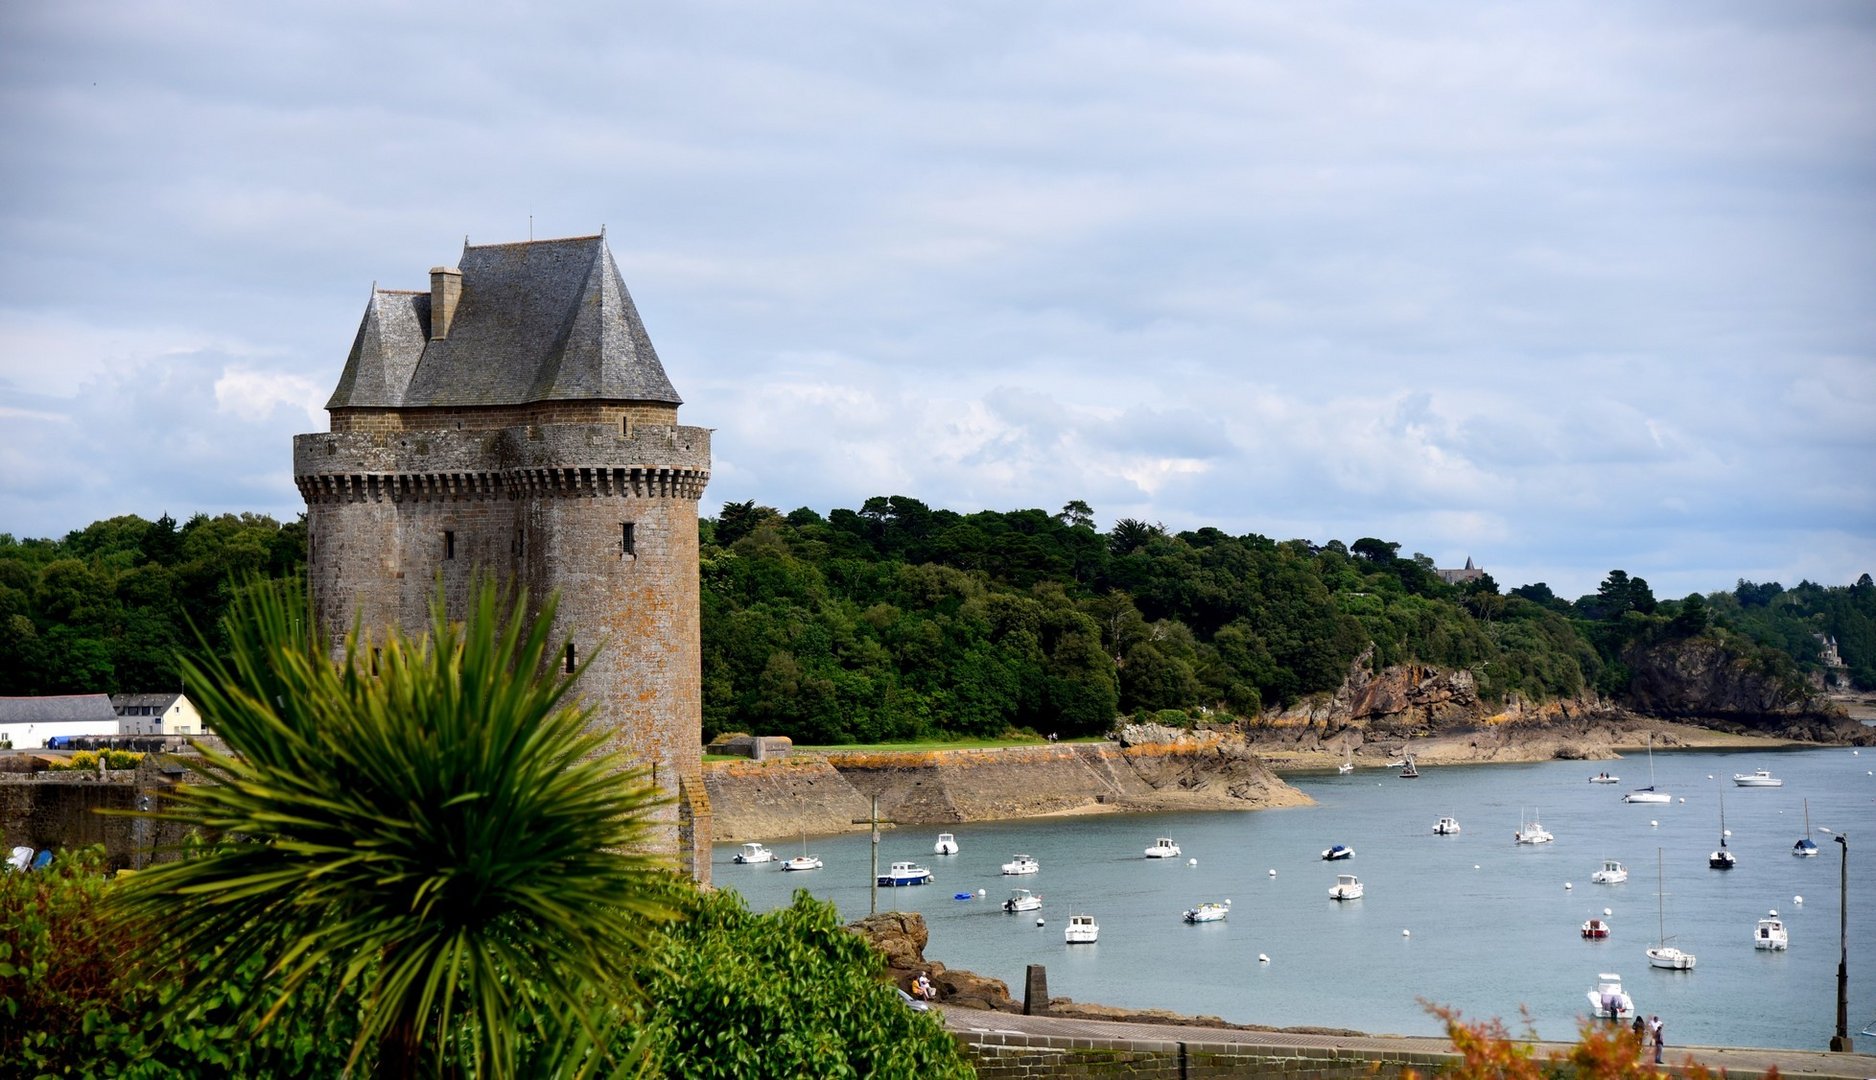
445, 833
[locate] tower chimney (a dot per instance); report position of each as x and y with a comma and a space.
445, 290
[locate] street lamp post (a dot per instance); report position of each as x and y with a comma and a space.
1840, 1042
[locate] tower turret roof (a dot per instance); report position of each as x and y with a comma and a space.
543, 320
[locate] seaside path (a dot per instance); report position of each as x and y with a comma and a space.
1737, 1061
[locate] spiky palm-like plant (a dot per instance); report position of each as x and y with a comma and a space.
430, 820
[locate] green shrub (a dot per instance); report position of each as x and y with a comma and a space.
784, 994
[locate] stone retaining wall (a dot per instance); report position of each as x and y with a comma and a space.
1018, 1056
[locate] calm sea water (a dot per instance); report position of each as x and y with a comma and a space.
1493, 928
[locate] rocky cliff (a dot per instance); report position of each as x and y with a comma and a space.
1147, 769
1707, 680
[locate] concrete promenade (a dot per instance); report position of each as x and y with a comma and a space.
991, 1036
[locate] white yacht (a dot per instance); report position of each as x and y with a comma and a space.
803, 861
1771, 933
1609, 1000
1208, 912
1022, 864
1082, 930
754, 853
1338, 851
1023, 900
1649, 794
1757, 778
946, 845
1163, 848
1532, 832
1446, 826
905, 873
1663, 955
1612, 873
1347, 887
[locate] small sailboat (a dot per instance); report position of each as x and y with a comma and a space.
1805, 847
1721, 859
1532, 832
1663, 955
1649, 794
1771, 933
1348, 761
946, 845
803, 861
1082, 930
1408, 771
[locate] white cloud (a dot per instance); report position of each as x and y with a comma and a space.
254, 395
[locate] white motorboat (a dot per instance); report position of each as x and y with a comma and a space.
1338, 851
1163, 848
1649, 794
754, 853
1446, 826
1757, 778
1722, 859
1532, 832
1022, 864
803, 861
1771, 933
1082, 930
1022, 900
1347, 887
905, 873
1605, 778
1208, 912
1805, 847
1612, 873
1609, 1000
1663, 955
946, 845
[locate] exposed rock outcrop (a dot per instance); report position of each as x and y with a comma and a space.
900, 937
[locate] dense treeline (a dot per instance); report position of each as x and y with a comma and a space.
899, 621
105, 609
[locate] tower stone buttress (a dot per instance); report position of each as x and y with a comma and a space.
529, 431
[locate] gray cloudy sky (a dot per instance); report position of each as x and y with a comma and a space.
1562, 287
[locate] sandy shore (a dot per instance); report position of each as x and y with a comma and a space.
1597, 742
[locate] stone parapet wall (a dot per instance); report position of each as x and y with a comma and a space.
1011, 1055
573, 460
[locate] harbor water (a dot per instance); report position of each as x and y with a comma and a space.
1474, 920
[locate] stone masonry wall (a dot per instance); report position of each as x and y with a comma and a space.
391, 513
1019, 1056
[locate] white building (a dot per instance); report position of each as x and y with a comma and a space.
27, 722
157, 714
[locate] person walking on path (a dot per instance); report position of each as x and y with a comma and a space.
1654, 1026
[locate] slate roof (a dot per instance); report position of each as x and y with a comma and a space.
63, 708
159, 702
545, 320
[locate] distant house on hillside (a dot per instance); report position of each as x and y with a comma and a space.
157, 714
1460, 577
28, 722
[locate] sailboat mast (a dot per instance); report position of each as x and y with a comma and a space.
1661, 919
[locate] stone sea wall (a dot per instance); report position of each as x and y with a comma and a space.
774, 800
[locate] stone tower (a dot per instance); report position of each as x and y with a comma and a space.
514, 418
